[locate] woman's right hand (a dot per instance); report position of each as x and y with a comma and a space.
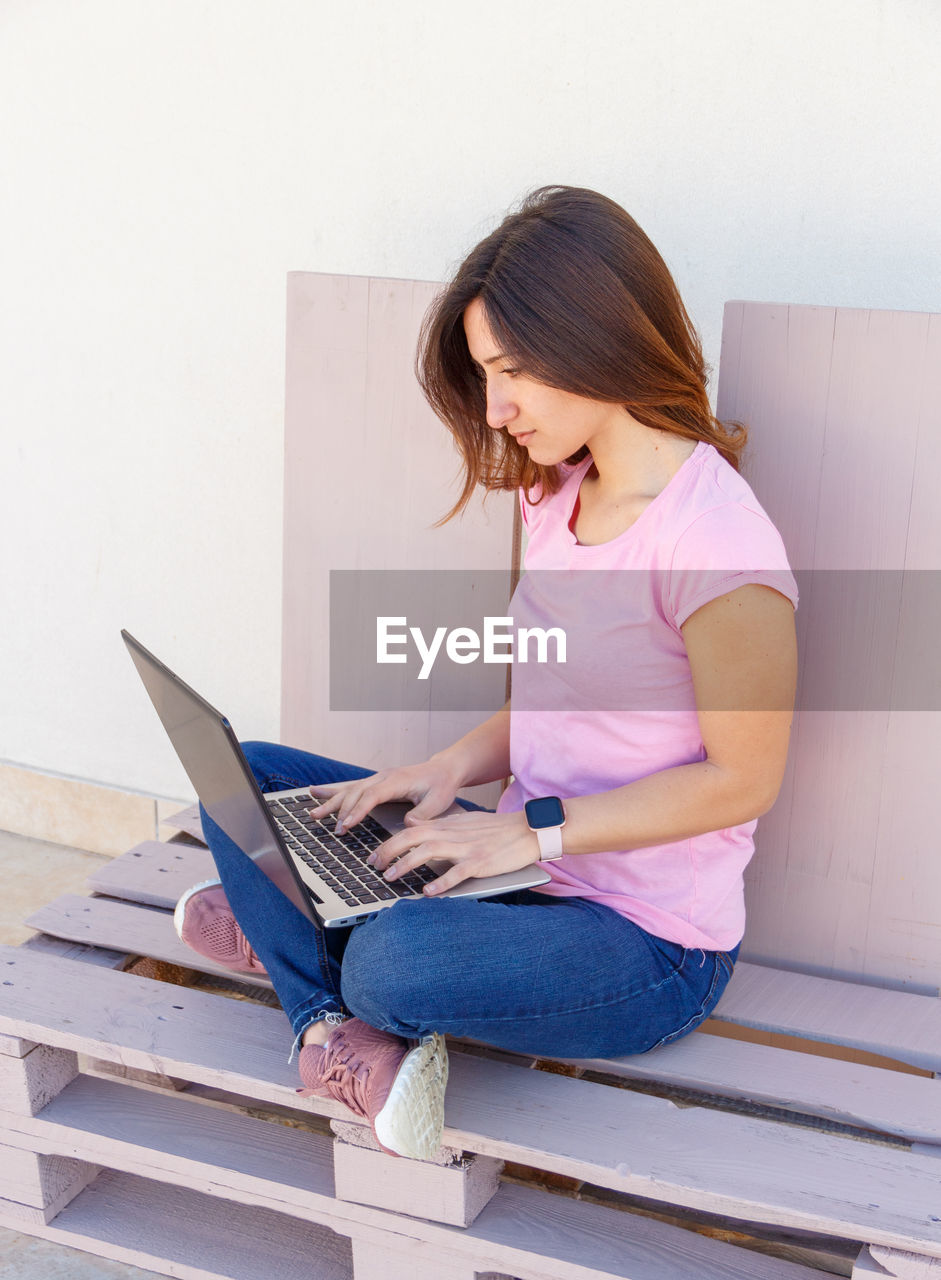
431, 786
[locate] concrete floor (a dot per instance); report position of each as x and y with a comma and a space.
33, 873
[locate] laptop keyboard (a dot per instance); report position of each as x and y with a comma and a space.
340, 860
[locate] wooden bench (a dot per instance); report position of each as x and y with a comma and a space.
712, 1157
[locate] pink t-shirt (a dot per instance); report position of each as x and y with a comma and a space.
621, 706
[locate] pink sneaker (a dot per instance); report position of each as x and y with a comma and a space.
203, 920
380, 1077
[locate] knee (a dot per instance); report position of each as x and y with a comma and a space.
384, 978
259, 755
266, 761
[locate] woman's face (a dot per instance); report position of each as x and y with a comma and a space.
550, 423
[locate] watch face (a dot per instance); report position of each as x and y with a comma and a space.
547, 811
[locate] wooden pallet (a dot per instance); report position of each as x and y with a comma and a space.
711, 1158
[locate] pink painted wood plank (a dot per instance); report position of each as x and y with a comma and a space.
410, 1261
864, 1267
895, 1023
174, 1138
904, 1265
902, 927
862, 519
870, 1098
183, 1233
41, 1181
28, 1084
42, 944
774, 375
186, 820
453, 1193
876, 388
186, 1142
127, 927
153, 872
829, 912
11, 1047
843, 410
368, 469
905, 916
179, 1032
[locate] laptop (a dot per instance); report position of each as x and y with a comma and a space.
325, 874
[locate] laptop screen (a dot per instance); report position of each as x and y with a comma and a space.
209, 752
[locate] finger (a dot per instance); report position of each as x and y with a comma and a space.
416, 857
431, 805
332, 793
325, 803
358, 804
454, 876
339, 805
346, 798
386, 853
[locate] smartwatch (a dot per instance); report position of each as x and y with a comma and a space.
547, 818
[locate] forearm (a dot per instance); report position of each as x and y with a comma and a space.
671, 805
483, 755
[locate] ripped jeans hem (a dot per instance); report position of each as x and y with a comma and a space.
305, 1020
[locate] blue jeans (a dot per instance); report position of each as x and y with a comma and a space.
561, 977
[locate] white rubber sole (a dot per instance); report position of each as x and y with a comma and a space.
412, 1119
180, 909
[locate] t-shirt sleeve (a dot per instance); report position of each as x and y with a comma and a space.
728, 547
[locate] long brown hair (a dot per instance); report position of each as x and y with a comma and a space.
578, 297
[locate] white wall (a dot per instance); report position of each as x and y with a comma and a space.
162, 166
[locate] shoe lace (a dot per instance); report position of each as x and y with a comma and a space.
343, 1074
251, 955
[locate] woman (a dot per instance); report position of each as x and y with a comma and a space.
563, 361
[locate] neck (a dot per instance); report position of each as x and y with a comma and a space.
636, 462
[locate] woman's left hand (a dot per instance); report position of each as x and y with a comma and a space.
476, 844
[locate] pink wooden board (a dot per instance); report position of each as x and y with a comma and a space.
121, 1017
894, 1023
180, 1232
903, 1264
870, 1098
12, 1047
172, 1136
453, 1192
43, 944
186, 820
844, 408
402, 1260
154, 872
127, 927
368, 470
